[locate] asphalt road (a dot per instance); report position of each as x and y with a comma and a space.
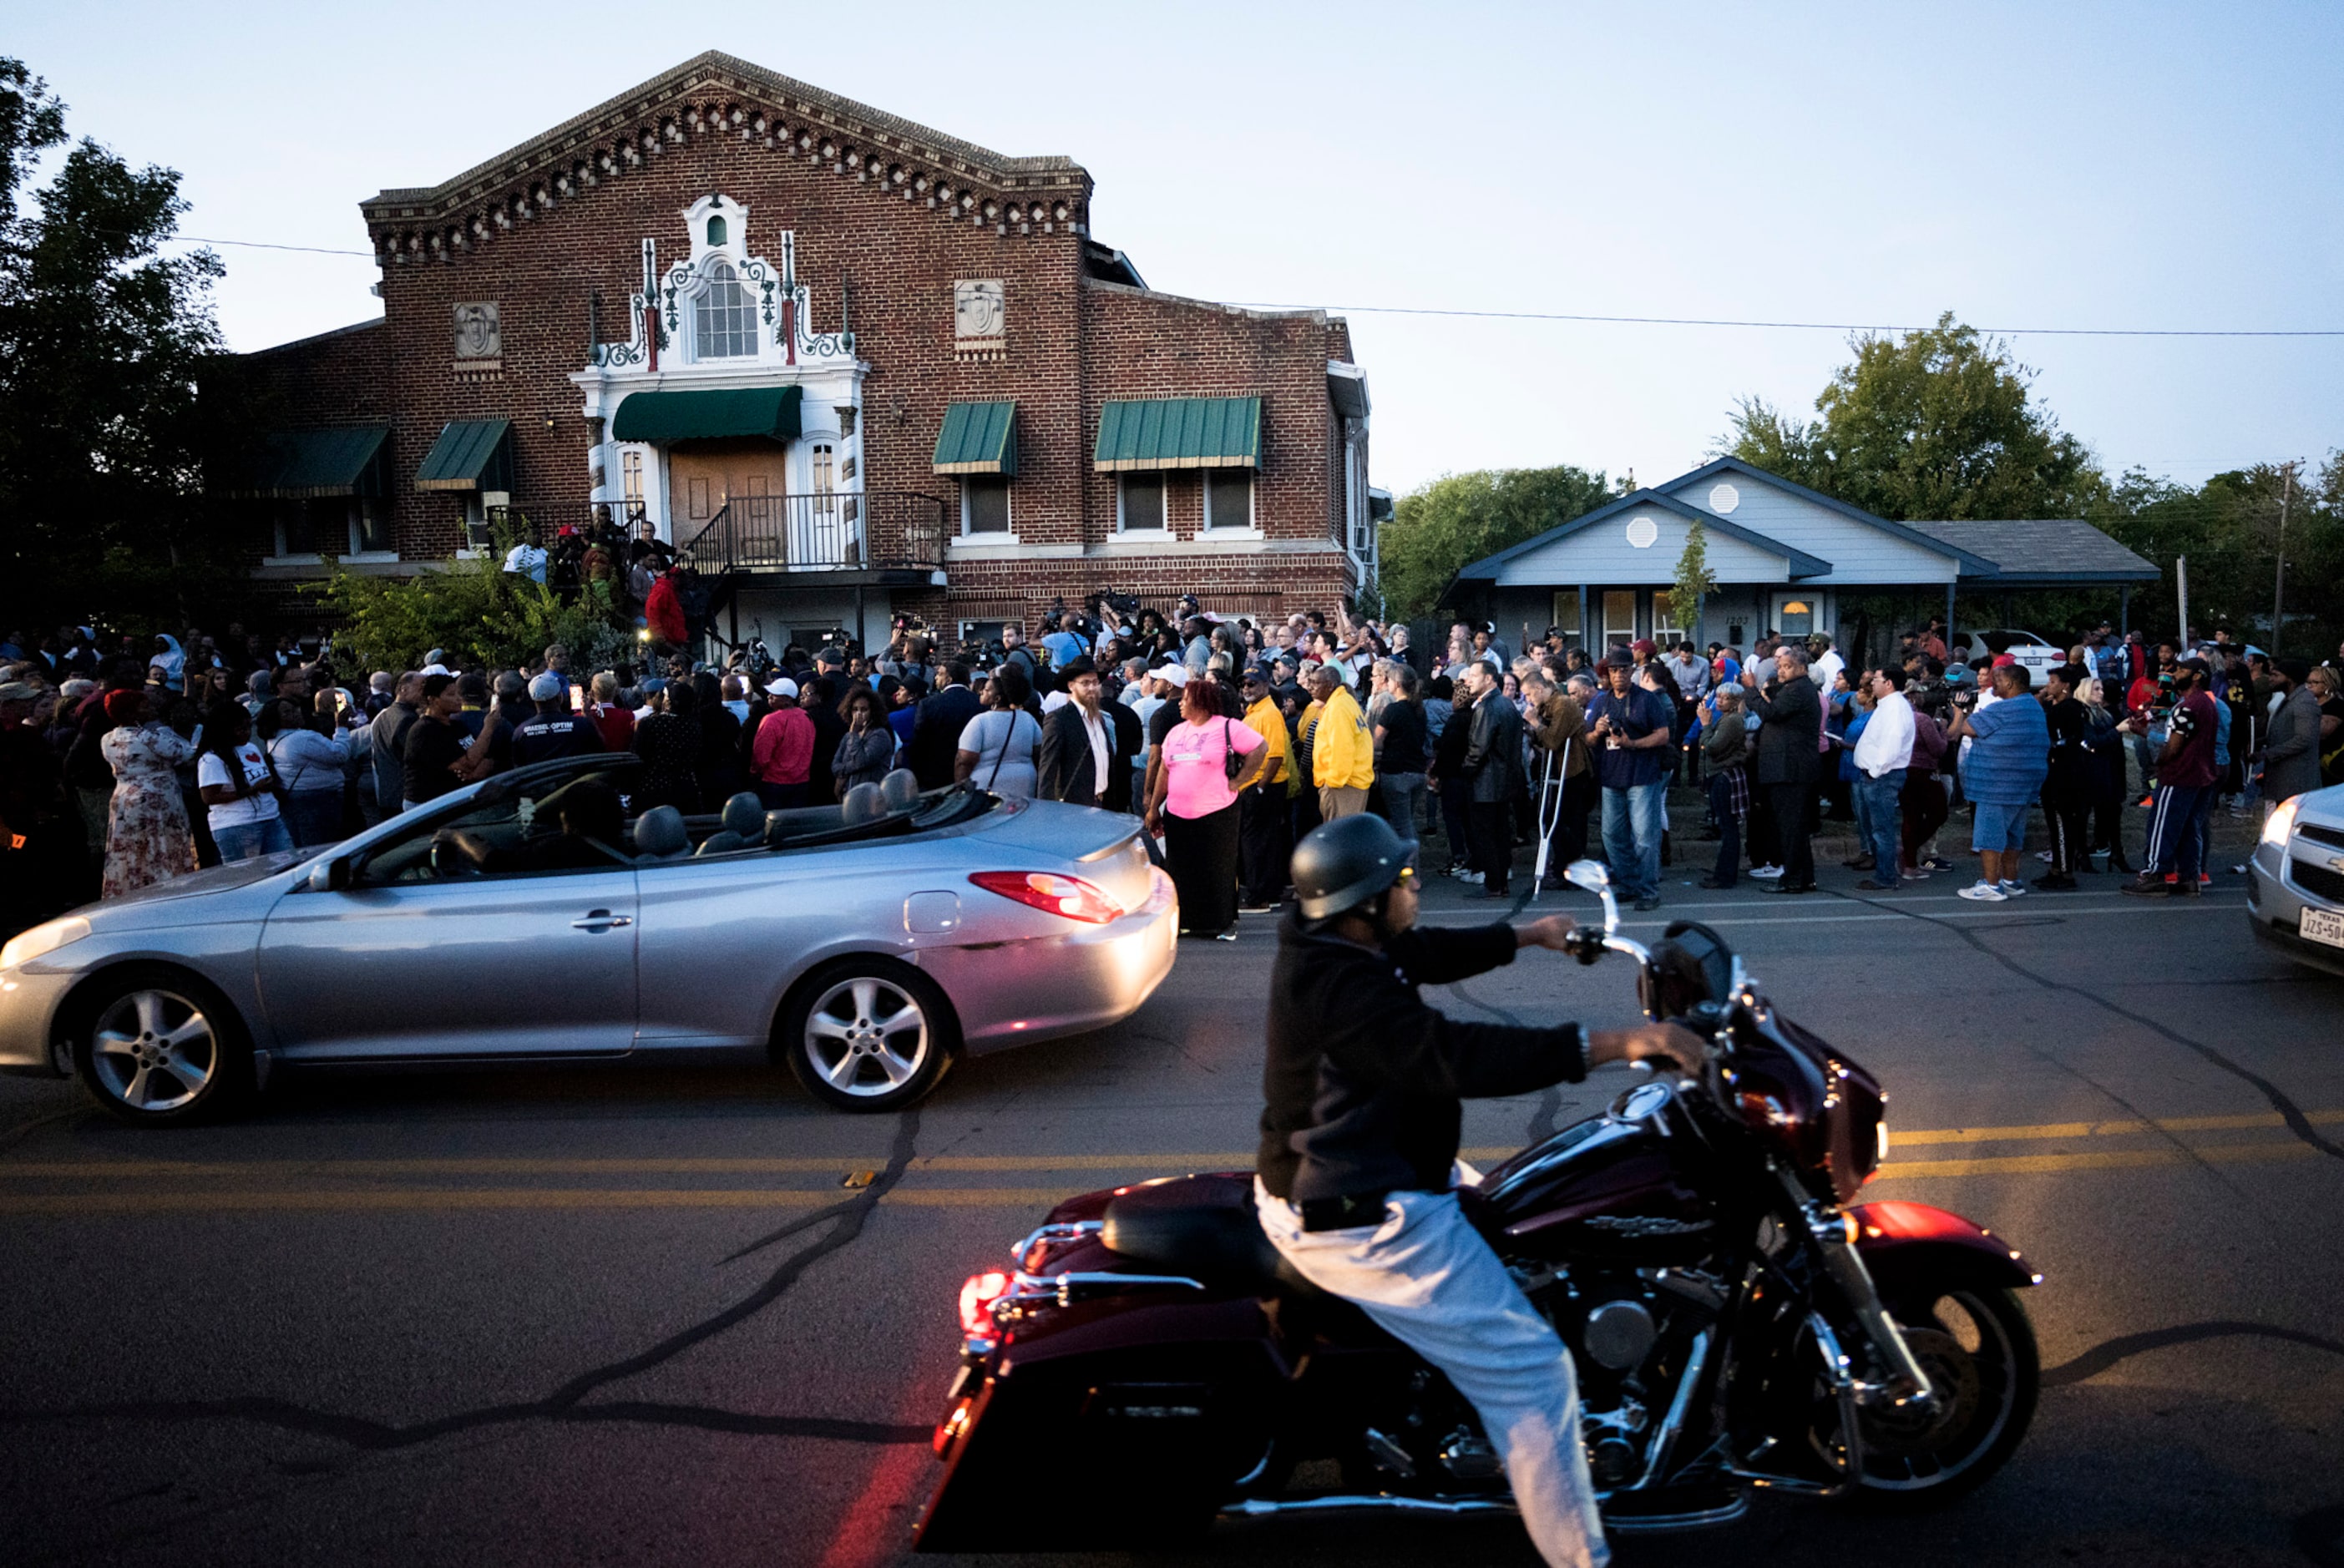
648, 1317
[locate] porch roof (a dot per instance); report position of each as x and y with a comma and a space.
729, 414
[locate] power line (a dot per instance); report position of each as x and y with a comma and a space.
264, 245
1806, 326
1604, 320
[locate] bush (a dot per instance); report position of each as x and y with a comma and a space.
480, 616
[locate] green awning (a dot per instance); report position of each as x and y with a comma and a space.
1180, 433
354, 461
978, 438
768, 412
471, 454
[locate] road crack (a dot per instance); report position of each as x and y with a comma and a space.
568, 1403
2289, 1112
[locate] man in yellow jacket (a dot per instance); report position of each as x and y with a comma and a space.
1265, 816
1342, 753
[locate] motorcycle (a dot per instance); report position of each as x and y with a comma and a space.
1150, 1363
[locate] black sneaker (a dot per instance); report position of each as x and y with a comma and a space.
2149, 887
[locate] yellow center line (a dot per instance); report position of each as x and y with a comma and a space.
314, 1199
839, 1165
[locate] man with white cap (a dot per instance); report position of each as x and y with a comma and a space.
782, 758
554, 731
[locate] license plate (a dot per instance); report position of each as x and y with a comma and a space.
2325, 925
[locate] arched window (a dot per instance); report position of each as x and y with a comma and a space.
725, 322
715, 233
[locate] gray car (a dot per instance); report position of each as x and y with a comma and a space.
2295, 882
866, 944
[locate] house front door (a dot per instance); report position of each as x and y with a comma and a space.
750, 476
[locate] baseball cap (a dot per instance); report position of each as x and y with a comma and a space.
1175, 673
545, 687
781, 686
1256, 673
1643, 645
19, 691
2002, 659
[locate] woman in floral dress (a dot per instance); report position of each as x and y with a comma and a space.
146, 836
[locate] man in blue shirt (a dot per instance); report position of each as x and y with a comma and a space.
1065, 644
1629, 728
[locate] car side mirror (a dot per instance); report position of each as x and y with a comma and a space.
331, 874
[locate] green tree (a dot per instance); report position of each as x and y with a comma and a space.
1936, 423
1694, 581
102, 339
1457, 519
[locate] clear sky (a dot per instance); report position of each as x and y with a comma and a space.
2025, 165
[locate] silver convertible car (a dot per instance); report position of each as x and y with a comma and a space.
525, 918
2295, 881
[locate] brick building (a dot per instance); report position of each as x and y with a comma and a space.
857, 367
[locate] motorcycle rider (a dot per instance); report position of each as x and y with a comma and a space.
1357, 1165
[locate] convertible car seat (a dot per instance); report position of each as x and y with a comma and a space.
900, 790
744, 825
864, 804
660, 833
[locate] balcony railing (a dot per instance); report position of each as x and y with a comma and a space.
539, 523
829, 530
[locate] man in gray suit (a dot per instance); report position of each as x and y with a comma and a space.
1790, 761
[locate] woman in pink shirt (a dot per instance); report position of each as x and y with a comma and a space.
1195, 807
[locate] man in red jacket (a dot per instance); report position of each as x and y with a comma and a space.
664, 612
2185, 790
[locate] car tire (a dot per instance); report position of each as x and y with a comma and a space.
158, 1047
868, 1034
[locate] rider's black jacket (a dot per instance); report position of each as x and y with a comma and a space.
1363, 1078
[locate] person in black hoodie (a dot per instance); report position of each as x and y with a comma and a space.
820, 700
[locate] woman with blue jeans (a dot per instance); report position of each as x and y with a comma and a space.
239, 787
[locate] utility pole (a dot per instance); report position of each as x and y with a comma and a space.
2278, 576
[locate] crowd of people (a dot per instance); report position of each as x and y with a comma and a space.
125, 762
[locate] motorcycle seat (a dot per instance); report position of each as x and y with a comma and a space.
1203, 1227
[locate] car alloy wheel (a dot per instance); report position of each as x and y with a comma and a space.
159, 1048
869, 1035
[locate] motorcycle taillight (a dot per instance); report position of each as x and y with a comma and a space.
977, 1298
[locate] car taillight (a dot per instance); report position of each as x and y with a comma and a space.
976, 1299
1068, 895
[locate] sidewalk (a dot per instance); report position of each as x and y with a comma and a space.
1835, 841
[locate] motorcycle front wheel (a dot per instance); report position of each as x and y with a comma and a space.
1978, 1349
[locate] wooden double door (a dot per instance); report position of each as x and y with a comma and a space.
750, 476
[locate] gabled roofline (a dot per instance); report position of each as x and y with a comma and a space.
1799, 562
717, 68
368, 325
1970, 565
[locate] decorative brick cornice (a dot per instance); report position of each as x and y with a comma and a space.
717, 95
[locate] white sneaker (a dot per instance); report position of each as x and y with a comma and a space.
1472, 879
1766, 873
1984, 893
2043, 855
2013, 889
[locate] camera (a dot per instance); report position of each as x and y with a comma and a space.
1123, 604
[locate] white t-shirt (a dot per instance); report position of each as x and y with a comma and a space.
211, 771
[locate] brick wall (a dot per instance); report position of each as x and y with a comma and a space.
539, 235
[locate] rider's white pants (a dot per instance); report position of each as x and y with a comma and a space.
1430, 1280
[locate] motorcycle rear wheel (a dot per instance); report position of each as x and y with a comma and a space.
1978, 1348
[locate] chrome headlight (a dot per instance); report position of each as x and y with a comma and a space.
2281, 823
27, 945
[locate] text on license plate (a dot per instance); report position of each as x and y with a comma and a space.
2324, 926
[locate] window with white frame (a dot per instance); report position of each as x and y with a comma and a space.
332, 525
1139, 503
725, 322
823, 459
631, 473
1229, 497
1665, 626
983, 505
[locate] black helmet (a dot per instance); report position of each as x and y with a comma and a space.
1342, 863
